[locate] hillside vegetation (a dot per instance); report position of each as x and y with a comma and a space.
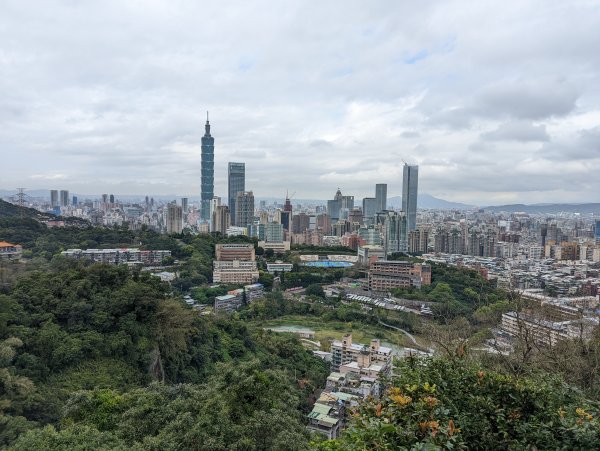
112, 332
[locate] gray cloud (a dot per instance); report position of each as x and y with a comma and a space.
585, 145
529, 99
517, 131
111, 94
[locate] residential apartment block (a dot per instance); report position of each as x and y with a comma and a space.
385, 275
344, 352
547, 332
234, 251
235, 263
118, 256
234, 299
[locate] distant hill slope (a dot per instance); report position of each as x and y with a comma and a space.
8, 210
428, 201
547, 208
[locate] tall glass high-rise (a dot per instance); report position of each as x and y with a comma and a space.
381, 196
236, 180
410, 185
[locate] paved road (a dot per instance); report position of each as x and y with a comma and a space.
408, 334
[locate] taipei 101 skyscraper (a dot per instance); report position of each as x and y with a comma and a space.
208, 172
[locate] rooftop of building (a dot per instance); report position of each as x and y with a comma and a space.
323, 418
336, 376
360, 347
394, 262
333, 397
225, 297
7, 244
235, 245
376, 367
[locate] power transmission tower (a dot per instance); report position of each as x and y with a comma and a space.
21, 196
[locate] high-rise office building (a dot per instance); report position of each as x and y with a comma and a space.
208, 172
105, 198
54, 198
221, 219
274, 232
410, 184
236, 181
381, 196
300, 223
355, 216
214, 203
112, 199
184, 204
75, 200
323, 222
369, 207
174, 218
283, 217
348, 202
64, 198
334, 206
244, 208
288, 204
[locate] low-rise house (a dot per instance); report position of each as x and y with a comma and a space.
227, 303
9, 251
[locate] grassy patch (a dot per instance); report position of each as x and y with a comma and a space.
326, 331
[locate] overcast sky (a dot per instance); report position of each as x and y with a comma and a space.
498, 102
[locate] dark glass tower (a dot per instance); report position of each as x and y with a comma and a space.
381, 196
236, 180
208, 172
410, 185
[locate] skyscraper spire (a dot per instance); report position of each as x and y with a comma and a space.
207, 126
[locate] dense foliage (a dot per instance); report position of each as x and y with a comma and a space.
99, 357
39, 240
459, 292
8, 210
241, 407
101, 328
452, 404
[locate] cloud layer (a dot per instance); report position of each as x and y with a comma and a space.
497, 102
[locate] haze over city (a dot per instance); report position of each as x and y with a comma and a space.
496, 103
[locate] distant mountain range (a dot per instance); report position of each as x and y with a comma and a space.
547, 208
428, 201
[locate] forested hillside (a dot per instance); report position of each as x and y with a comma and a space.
80, 346
106, 357
8, 210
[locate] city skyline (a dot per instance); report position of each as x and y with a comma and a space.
493, 110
